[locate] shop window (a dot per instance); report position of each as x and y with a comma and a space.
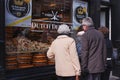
52, 10
26, 47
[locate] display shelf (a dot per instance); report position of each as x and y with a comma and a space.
27, 47
56, 22
25, 52
41, 31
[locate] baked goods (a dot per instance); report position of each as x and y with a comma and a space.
51, 61
11, 65
36, 64
26, 51
25, 65
39, 59
10, 58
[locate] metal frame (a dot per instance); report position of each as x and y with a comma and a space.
2, 39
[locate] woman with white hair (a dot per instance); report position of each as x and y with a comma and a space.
63, 49
78, 42
93, 51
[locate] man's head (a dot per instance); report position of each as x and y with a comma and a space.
87, 22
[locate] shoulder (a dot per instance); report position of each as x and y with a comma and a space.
71, 40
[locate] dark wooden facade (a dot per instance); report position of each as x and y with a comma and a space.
2, 41
115, 25
36, 73
94, 11
115, 12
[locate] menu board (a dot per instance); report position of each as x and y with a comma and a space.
18, 13
79, 12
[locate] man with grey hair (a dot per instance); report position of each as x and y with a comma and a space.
93, 51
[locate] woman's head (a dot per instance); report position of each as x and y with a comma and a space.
63, 29
80, 33
104, 30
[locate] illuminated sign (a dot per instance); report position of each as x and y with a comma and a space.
79, 12
18, 13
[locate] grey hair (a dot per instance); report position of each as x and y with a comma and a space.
87, 21
63, 29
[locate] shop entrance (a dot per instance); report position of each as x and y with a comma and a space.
105, 18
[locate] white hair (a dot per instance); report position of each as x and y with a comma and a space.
80, 33
87, 21
63, 29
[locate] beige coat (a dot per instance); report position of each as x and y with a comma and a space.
63, 49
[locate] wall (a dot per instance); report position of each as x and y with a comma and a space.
94, 11
115, 22
102, 18
2, 34
2, 49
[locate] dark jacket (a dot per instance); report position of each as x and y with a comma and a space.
109, 53
93, 51
78, 45
109, 47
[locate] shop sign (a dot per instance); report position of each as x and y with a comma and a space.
52, 15
18, 13
42, 26
38, 26
79, 12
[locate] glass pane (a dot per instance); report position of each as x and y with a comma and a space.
52, 10
26, 48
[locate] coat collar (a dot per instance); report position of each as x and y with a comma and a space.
62, 36
90, 28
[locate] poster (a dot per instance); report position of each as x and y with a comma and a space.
18, 13
79, 12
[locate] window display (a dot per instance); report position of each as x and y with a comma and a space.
27, 46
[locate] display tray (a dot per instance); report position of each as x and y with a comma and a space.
27, 59
25, 52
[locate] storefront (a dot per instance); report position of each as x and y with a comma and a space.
27, 29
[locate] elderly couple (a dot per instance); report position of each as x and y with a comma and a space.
93, 53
